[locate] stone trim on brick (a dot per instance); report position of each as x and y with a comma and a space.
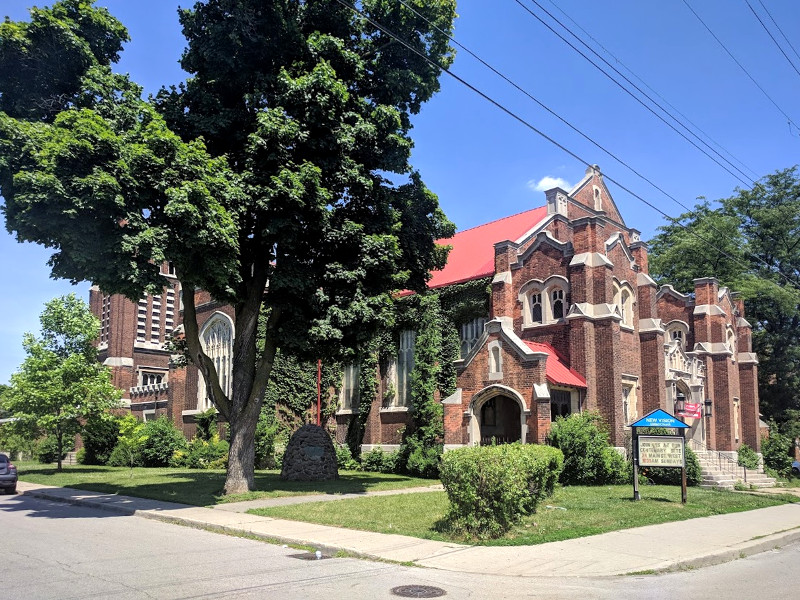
748, 358
590, 259
709, 309
594, 312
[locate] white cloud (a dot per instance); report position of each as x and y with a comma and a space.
547, 183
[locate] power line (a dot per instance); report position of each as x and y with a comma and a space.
772, 37
746, 72
545, 107
533, 128
622, 162
778, 27
747, 181
645, 84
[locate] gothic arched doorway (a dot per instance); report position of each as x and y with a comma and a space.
499, 419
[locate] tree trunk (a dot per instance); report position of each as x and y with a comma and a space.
241, 458
60, 447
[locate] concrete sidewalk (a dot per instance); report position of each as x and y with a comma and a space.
654, 548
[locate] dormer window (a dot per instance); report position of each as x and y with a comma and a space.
677, 331
544, 302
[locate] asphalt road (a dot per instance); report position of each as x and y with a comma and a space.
59, 551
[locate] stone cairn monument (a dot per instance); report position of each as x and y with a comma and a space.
310, 456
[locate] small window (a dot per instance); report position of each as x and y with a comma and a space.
495, 358
557, 299
560, 404
405, 365
536, 307
349, 393
470, 333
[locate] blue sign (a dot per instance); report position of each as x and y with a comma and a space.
659, 418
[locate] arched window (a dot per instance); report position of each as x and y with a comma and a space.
624, 298
216, 338
405, 365
730, 339
544, 302
677, 331
598, 198
557, 302
495, 360
536, 307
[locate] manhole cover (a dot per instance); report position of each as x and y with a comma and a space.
418, 591
313, 556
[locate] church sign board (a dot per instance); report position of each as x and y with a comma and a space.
659, 450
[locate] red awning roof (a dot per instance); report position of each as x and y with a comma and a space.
557, 370
472, 255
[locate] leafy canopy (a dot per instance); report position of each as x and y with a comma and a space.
277, 177
751, 243
60, 383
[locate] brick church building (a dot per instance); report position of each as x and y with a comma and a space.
575, 323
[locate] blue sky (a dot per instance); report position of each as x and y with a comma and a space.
485, 165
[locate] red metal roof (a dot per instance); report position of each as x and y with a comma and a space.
472, 255
556, 369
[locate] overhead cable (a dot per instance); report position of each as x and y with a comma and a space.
746, 181
533, 128
746, 72
649, 87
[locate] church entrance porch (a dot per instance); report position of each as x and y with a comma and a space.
499, 421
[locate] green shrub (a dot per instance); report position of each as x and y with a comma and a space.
161, 440
589, 459
672, 476
125, 455
747, 457
80, 456
344, 458
266, 430
206, 424
128, 451
491, 487
202, 454
775, 450
423, 460
99, 438
47, 449
378, 461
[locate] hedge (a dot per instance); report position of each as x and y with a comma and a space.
491, 487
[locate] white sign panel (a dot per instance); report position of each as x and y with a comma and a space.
660, 451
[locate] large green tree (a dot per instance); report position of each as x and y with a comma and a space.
60, 384
751, 243
276, 177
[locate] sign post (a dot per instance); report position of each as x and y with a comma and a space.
659, 450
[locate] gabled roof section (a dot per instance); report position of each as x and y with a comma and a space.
556, 369
584, 193
472, 254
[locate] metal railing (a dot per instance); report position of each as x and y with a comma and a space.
722, 461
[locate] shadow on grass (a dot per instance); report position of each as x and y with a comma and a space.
199, 487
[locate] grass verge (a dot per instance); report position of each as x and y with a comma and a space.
200, 487
571, 512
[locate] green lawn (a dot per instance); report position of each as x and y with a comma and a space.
589, 511
200, 487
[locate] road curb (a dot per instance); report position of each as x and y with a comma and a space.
766, 543
712, 557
